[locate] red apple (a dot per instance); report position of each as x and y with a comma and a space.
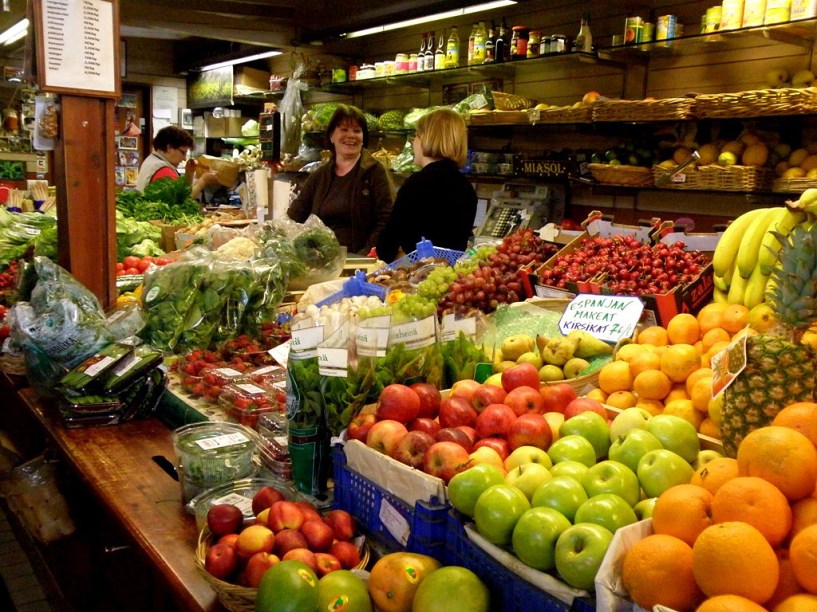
304, 555
264, 498
520, 375
360, 425
326, 563
530, 430
457, 411
256, 567
411, 448
580, 404
398, 403
487, 395
342, 523
429, 399
308, 510
221, 561
230, 539
525, 399
500, 445
347, 553
464, 388
287, 540
446, 459
253, 539
456, 435
319, 535
485, 454
284, 515
224, 518
494, 421
384, 436
557, 396
428, 425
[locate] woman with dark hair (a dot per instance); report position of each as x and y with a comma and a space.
170, 147
352, 193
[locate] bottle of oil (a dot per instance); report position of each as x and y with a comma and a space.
452, 49
584, 39
471, 44
421, 54
490, 46
502, 50
479, 43
429, 53
439, 54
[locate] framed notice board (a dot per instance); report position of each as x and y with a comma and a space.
78, 47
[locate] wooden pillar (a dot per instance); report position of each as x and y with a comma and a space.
86, 193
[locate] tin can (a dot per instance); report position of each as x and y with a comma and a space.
753, 13
713, 19
353, 73
633, 27
777, 11
534, 42
731, 14
665, 27
648, 32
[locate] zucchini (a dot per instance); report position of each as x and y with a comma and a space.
143, 359
94, 367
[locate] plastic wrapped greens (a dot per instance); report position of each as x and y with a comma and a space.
269, 282
291, 111
204, 313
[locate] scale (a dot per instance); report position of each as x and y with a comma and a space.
514, 206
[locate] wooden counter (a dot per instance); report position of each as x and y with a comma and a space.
116, 464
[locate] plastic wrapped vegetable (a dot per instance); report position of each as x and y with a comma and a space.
204, 313
404, 162
269, 282
235, 303
291, 110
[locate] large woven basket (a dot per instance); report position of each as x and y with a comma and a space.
234, 597
793, 185
13, 365
757, 103
668, 109
498, 118
511, 102
632, 176
719, 178
562, 114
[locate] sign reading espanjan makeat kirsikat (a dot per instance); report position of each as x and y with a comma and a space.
607, 317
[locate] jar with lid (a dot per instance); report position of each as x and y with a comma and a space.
558, 43
519, 42
544, 46
366, 71
401, 63
534, 42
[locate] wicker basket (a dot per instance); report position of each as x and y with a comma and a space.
757, 103
13, 365
511, 102
499, 118
562, 114
633, 176
719, 178
668, 109
793, 185
234, 597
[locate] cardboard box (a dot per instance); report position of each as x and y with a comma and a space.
223, 127
168, 235
246, 79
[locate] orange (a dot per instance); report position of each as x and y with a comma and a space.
621, 399
713, 336
597, 394
628, 351
734, 318
754, 501
615, 376
683, 329
683, 511
734, 558
658, 570
803, 514
801, 416
716, 348
799, 602
695, 377
702, 394
683, 408
729, 603
677, 392
709, 428
679, 361
803, 555
783, 456
395, 578
655, 335
709, 317
786, 583
652, 384
715, 473
653, 406
645, 360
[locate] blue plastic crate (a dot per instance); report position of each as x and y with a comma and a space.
355, 286
364, 499
424, 250
509, 591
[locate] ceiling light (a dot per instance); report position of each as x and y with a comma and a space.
241, 60
15, 32
476, 8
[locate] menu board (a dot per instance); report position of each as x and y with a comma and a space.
77, 46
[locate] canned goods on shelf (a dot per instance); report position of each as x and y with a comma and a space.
632, 30
713, 19
665, 27
534, 41
558, 43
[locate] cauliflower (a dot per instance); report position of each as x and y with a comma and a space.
237, 248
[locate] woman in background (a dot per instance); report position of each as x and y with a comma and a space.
352, 193
437, 203
170, 147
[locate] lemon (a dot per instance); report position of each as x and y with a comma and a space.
797, 157
727, 158
734, 146
708, 153
794, 173
755, 155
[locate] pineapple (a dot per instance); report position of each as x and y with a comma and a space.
780, 368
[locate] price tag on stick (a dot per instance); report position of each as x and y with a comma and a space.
607, 317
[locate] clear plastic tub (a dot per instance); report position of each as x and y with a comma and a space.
246, 401
238, 493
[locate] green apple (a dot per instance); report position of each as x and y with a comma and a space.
661, 469
527, 477
572, 448
550, 373
612, 477
527, 454
497, 510
590, 425
609, 510
644, 508
704, 457
676, 434
562, 493
514, 346
535, 535
633, 445
569, 468
579, 553
627, 419
465, 487
531, 357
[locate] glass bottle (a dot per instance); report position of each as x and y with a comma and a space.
584, 39
490, 46
471, 44
421, 54
439, 54
429, 53
501, 48
479, 43
452, 49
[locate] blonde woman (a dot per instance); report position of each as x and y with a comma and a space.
437, 203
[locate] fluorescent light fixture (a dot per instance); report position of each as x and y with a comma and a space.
476, 8
241, 60
15, 32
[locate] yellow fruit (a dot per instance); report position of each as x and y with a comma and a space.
702, 394
652, 385
615, 376
713, 409
734, 146
812, 173
810, 163
727, 158
750, 138
646, 360
794, 173
708, 153
652, 406
680, 154
797, 156
683, 408
761, 317
781, 167
679, 361
677, 392
598, 395
755, 155
683, 328
621, 399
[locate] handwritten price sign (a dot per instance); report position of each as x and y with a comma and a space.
607, 317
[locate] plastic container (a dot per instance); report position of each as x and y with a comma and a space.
425, 250
238, 493
213, 453
356, 285
245, 402
268, 375
272, 427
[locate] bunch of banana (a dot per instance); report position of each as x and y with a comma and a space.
748, 250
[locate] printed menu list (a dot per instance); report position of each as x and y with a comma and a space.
78, 45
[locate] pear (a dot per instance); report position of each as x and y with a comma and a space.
575, 366
531, 357
587, 345
551, 373
541, 342
558, 351
514, 346
503, 365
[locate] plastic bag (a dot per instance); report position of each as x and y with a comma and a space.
267, 292
291, 110
404, 162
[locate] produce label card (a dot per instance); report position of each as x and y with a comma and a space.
415, 335
372, 336
727, 364
453, 325
607, 317
305, 341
